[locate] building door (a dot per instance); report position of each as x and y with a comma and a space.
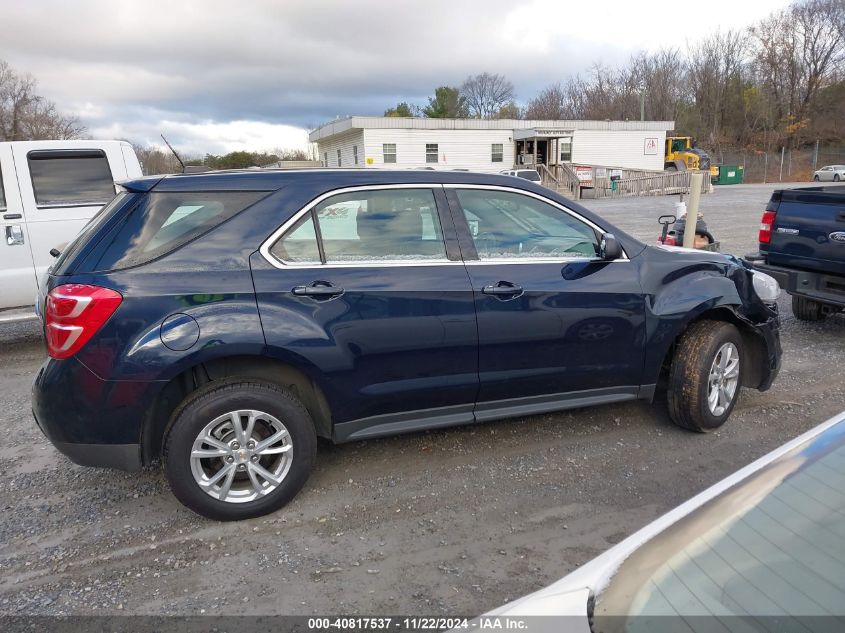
542, 151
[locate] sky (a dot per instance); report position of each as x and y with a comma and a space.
216, 76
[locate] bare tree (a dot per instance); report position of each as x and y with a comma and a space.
716, 65
25, 115
798, 51
549, 104
486, 94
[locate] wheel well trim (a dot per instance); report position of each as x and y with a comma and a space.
177, 392
753, 342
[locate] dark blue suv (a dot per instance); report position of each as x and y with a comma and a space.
223, 322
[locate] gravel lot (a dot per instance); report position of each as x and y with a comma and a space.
447, 522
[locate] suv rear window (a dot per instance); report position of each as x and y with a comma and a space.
70, 177
162, 222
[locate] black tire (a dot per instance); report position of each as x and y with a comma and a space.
690, 372
200, 409
836, 178
806, 309
815, 178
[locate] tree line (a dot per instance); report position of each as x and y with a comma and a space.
25, 115
780, 82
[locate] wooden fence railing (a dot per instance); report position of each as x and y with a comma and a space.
654, 184
561, 178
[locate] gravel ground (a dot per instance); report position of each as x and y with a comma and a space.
449, 522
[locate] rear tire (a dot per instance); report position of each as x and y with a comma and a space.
836, 178
806, 309
708, 357
220, 455
815, 179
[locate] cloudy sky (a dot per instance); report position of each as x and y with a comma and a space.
217, 75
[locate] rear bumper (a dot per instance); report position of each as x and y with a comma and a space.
120, 456
94, 422
821, 287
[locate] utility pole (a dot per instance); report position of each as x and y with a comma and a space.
782, 150
642, 105
816, 156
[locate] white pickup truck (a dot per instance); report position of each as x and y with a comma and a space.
48, 191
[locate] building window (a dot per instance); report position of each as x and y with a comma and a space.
355, 154
389, 152
325, 159
431, 152
566, 149
339, 161
498, 153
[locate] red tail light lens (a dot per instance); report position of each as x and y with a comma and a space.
74, 313
766, 224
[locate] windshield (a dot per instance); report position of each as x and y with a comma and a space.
771, 546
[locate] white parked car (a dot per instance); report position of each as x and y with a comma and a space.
764, 547
48, 192
831, 173
529, 174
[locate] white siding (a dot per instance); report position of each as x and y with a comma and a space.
341, 126
617, 148
344, 143
457, 149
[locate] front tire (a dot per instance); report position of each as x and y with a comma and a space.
836, 178
239, 450
815, 178
705, 376
806, 309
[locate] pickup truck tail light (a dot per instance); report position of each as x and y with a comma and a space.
74, 313
766, 224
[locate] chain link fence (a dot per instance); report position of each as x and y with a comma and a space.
787, 165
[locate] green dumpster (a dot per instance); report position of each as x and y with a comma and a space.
728, 175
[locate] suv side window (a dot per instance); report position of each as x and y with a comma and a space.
506, 225
366, 226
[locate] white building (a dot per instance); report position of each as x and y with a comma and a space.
489, 145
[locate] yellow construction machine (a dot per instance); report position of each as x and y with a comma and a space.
682, 154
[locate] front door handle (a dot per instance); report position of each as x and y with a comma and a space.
318, 290
14, 234
503, 289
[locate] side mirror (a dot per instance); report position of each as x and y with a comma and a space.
609, 248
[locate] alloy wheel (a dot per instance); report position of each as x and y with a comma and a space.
241, 456
723, 380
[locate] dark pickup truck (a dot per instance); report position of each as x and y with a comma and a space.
802, 245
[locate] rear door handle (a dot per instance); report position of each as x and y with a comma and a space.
318, 289
503, 289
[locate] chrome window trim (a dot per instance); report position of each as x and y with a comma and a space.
264, 249
537, 260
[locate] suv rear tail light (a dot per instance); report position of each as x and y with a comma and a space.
766, 224
74, 313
